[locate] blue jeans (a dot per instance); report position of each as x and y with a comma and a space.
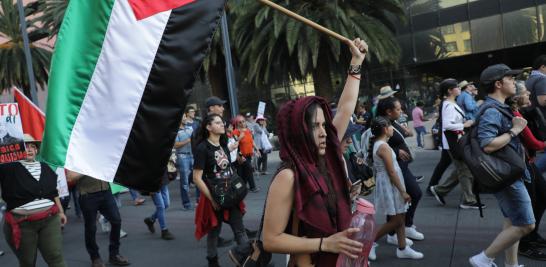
162, 202
185, 165
420, 131
103, 202
515, 204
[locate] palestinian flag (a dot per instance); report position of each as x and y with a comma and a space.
120, 78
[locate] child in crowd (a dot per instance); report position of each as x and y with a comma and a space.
390, 198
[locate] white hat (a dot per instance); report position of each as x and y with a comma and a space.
386, 92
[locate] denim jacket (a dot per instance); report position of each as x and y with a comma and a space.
468, 104
492, 124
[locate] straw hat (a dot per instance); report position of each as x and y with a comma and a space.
29, 139
385, 92
464, 84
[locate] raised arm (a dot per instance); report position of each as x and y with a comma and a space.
349, 97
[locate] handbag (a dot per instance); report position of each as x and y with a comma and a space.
266, 145
455, 148
494, 171
227, 192
258, 257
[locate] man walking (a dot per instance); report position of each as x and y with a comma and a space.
466, 100
96, 196
184, 157
418, 123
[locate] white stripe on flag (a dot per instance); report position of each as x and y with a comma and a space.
110, 105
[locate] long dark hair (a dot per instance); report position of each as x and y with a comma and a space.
203, 133
378, 124
445, 86
309, 119
386, 104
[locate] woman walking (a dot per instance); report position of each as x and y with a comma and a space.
34, 213
212, 161
308, 210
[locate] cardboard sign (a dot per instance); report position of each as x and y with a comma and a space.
12, 147
261, 109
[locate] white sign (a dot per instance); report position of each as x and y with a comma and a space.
62, 186
12, 147
261, 109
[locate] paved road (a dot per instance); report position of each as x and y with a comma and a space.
452, 235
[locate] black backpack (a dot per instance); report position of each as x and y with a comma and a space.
494, 171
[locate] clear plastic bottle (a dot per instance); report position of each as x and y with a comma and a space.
363, 219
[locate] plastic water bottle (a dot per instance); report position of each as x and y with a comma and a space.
363, 219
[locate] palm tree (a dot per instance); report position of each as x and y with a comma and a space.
13, 70
275, 49
52, 15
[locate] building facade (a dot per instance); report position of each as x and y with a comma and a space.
458, 39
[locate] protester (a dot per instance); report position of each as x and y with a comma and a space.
34, 213
529, 245
466, 100
496, 131
358, 116
418, 123
453, 124
96, 196
308, 210
256, 131
184, 159
390, 198
162, 202
536, 84
212, 162
263, 144
390, 108
247, 149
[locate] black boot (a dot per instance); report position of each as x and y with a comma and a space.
213, 262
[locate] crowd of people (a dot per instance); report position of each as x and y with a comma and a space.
331, 155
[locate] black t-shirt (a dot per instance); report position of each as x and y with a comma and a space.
396, 142
213, 160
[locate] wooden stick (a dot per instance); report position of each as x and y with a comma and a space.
305, 21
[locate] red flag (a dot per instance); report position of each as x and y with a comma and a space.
32, 118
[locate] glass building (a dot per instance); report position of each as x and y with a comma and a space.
458, 39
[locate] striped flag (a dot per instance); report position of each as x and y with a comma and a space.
32, 117
120, 78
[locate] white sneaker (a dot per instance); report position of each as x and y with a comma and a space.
393, 240
122, 233
104, 224
409, 253
481, 260
412, 233
372, 256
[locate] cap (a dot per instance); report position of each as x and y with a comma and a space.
497, 72
448, 84
260, 117
385, 92
29, 139
248, 114
213, 101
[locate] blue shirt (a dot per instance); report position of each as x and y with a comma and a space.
184, 134
468, 104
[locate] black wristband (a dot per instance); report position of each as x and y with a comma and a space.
355, 69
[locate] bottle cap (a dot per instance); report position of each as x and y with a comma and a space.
365, 206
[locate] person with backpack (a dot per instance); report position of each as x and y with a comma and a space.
452, 128
536, 84
495, 131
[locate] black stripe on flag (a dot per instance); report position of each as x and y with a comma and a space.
183, 47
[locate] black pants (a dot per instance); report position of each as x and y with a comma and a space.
441, 167
262, 161
104, 203
413, 189
537, 192
246, 172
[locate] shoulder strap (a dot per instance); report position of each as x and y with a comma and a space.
488, 106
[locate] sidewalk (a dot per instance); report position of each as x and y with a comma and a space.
451, 235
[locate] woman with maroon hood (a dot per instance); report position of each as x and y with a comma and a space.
308, 209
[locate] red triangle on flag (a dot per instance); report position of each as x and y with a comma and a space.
32, 117
148, 8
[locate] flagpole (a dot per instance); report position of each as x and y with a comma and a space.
28, 56
305, 21
230, 75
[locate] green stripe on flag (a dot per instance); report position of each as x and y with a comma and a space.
77, 50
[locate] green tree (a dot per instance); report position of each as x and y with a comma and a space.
52, 14
275, 49
13, 69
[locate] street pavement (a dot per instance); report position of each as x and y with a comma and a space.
451, 235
